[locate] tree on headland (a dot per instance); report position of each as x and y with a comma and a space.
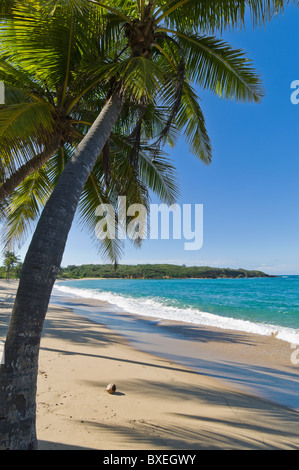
159, 49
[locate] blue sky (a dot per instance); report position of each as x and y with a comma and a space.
250, 192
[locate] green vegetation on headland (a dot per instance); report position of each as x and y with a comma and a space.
153, 271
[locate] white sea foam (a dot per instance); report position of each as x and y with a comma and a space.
152, 308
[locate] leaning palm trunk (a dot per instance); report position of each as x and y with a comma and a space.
29, 167
18, 375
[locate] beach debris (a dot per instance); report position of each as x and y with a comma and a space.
111, 388
274, 333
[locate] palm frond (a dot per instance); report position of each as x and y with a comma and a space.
94, 194
191, 120
141, 77
56, 164
24, 207
25, 128
209, 16
6, 7
49, 39
19, 84
216, 66
9, 182
178, 87
20, 120
159, 175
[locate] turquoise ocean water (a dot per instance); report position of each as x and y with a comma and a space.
256, 305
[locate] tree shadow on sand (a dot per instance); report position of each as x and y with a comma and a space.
246, 423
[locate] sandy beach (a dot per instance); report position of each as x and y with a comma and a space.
159, 403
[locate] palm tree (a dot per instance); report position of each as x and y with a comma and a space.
158, 51
10, 261
31, 165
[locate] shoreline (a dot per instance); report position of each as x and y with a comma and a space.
159, 403
196, 317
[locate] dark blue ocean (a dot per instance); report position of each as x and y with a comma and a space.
256, 305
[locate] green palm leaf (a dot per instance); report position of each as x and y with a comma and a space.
217, 15
159, 175
50, 42
191, 119
25, 206
24, 128
216, 66
93, 195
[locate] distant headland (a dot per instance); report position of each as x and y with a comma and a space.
154, 271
